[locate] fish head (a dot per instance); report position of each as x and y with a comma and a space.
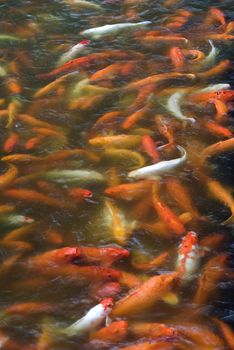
108, 304
188, 242
67, 254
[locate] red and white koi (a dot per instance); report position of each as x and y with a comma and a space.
73, 52
188, 257
92, 319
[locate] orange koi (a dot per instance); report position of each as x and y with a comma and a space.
50, 133
159, 228
211, 242
116, 332
19, 232
156, 262
221, 109
55, 258
142, 209
159, 78
177, 22
34, 142
54, 236
201, 335
13, 110
165, 129
217, 129
32, 196
107, 120
223, 95
142, 97
215, 15
144, 296
29, 308
32, 121
151, 330
79, 194
130, 191
222, 194
220, 68
129, 280
150, 148
226, 331
134, 118
213, 271
168, 40
219, 147
121, 141
104, 255
162, 345
118, 154
11, 142
88, 273
177, 57
13, 86
8, 263
8, 177
167, 216
16, 245
108, 72
6, 208
180, 194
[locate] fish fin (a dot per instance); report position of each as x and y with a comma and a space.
229, 221
108, 321
171, 298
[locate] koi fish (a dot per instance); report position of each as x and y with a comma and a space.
79, 194
150, 345
226, 331
210, 58
217, 130
213, 271
129, 191
55, 258
8, 177
73, 176
120, 141
29, 308
116, 332
151, 330
158, 169
144, 296
104, 255
173, 106
188, 257
167, 215
15, 220
177, 57
83, 4
219, 147
153, 79
118, 154
150, 148
221, 67
92, 319
113, 29
180, 194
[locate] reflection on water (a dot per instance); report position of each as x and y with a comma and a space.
116, 167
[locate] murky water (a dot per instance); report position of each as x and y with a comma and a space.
49, 135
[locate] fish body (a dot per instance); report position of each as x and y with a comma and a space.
210, 58
83, 4
92, 319
173, 106
158, 169
73, 176
113, 29
73, 52
188, 257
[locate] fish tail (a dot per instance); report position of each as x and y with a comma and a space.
229, 221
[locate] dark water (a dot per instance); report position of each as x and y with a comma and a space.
41, 32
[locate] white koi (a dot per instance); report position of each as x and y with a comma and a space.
73, 176
83, 4
210, 58
73, 52
113, 29
214, 88
92, 319
188, 257
155, 170
173, 106
15, 220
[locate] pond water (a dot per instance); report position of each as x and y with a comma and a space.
116, 174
